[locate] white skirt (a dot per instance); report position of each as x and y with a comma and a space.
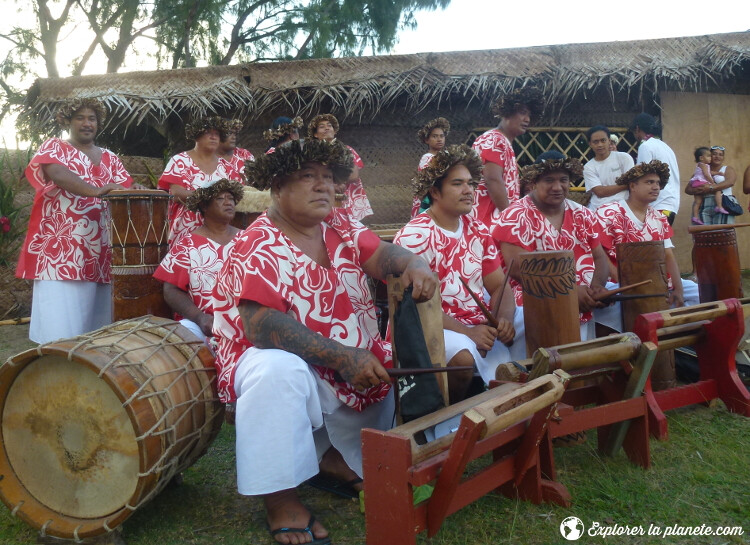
287, 417
66, 308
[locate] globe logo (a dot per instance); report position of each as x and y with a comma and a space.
571, 528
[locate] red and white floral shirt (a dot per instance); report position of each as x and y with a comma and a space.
618, 225
68, 236
181, 170
237, 164
266, 267
424, 161
357, 204
469, 254
494, 147
523, 224
192, 264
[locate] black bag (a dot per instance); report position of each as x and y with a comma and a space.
418, 394
731, 205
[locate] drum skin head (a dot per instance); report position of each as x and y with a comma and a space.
69, 440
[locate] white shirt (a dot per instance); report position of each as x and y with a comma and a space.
653, 148
604, 173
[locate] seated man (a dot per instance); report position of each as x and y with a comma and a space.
546, 220
635, 220
190, 268
458, 247
298, 344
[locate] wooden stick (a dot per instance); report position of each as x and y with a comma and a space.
405, 371
496, 307
15, 321
701, 228
610, 293
487, 312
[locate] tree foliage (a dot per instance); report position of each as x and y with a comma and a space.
186, 33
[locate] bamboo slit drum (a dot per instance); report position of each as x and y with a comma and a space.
550, 297
716, 261
95, 426
638, 261
138, 231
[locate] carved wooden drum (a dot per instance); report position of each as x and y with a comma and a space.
139, 231
94, 426
550, 299
716, 261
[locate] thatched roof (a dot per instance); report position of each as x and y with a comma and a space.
360, 87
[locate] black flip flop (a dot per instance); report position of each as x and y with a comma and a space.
329, 484
308, 529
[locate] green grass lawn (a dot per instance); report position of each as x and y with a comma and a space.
700, 476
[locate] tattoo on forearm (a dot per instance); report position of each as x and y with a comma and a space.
269, 328
395, 259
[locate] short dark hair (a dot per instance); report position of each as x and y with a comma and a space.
700, 151
647, 123
597, 128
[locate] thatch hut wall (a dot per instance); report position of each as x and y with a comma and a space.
381, 101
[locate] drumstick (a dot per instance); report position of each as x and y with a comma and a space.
609, 293
628, 297
405, 371
487, 313
502, 292
15, 321
701, 228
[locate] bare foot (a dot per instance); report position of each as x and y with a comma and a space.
284, 510
333, 465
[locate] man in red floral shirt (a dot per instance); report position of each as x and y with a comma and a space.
67, 250
499, 186
298, 344
546, 220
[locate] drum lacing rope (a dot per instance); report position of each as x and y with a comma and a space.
43, 529
17, 507
75, 534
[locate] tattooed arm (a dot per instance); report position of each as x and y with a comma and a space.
268, 328
414, 271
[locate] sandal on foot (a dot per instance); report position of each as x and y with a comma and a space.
696, 221
721, 210
307, 530
340, 488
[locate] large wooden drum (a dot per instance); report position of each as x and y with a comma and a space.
716, 261
638, 261
93, 427
550, 299
139, 235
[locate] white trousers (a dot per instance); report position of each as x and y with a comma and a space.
455, 342
611, 316
287, 417
66, 308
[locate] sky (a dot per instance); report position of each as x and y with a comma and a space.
494, 24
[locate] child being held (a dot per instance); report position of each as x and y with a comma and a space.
702, 176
